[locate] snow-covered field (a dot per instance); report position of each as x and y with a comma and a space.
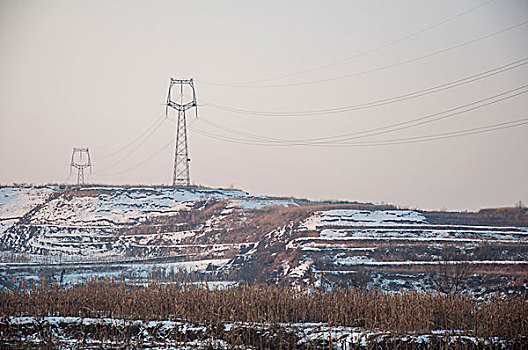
106, 333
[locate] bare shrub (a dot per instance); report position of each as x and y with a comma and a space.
450, 276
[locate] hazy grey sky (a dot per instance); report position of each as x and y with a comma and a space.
95, 73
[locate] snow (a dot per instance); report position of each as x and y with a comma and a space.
293, 243
459, 233
319, 248
174, 237
6, 224
352, 260
17, 201
159, 334
76, 271
362, 260
256, 203
338, 240
349, 217
91, 221
109, 206
102, 222
189, 266
300, 270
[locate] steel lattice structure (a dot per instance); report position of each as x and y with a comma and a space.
181, 175
82, 162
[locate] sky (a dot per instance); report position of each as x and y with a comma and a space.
422, 104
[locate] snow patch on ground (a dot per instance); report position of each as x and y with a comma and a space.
349, 217
301, 269
75, 272
259, 203
459, 233
17, 201
160, 334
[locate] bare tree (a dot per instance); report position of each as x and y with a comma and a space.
450, 276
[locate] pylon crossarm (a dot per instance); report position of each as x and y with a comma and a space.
180, 81
179, 107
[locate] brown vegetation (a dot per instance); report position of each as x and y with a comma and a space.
401, 313
512, 216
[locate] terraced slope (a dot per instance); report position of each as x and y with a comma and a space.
229, 235
99, 222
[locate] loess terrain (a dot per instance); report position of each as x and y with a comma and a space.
198, 268
223, 236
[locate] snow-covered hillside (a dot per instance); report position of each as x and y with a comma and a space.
102, 206
232, 235
111, 221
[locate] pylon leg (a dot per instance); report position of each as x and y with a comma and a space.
181, 153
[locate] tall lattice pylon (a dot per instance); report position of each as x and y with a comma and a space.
181, 175
80, 160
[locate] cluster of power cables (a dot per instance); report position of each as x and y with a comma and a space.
217, 131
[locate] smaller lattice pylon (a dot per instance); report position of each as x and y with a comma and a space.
80, 160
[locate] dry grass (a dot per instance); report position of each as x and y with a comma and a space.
512, 216
401, 313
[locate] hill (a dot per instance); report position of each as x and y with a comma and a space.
227, 236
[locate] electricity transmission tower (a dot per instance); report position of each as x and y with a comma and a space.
80, 162
181, 175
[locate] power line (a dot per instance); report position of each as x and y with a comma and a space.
338, 141
466, 132
438, 116
145, 134
147, 159
131, 151
376, 103
438, 52
374, 49
425, 138
140, 130
393, 127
